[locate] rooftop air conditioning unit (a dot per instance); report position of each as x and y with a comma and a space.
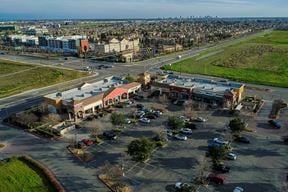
59, 94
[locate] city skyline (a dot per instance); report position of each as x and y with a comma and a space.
109, 9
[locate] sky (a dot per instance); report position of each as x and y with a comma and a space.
117, 9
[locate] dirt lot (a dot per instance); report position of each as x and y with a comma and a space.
260, 166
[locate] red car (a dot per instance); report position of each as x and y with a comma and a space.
218, 179
88, 142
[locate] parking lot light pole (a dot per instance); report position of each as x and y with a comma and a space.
75, 136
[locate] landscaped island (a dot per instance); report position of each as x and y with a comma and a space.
17, 175
261, 60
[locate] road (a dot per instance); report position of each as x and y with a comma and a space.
30, 98
74, 175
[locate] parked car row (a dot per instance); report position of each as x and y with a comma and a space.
146, 115
84, 143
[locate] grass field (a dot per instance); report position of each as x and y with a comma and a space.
17, 176
261, 60
19, 77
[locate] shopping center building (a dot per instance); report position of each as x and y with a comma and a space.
222, 92
88, 98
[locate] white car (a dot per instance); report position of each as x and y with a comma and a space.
238, 189
127, 121
129, 102
220, 141
186, 130
181, 137
179, 185
158, 113
231, 156
169, 133
140, 113
200, 119
144, 120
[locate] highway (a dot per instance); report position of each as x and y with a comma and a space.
16, 103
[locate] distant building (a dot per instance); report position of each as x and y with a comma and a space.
116, 46
68, 44
36, 31
43, 41
84, 45
170, 48
55, 43
23, 40
8, 28
144, 78
126, 56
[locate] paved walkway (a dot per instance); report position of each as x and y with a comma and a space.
74, 175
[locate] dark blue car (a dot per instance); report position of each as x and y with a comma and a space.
275, 124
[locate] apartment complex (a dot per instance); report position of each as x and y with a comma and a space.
23, 40
69, 43
222, 93
116, 46
90, 97
34, 31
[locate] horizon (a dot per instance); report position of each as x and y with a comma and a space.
134, 19
145, 9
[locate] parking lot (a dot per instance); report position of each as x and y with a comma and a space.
260, 166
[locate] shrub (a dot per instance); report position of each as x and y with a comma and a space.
117, 119
160, 143
237, 126
175, 123
98, 140
118, 130
140, 149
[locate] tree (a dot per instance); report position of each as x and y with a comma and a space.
201, 169
187, 188
26, 119
162, 134
117, 119
175, 123
95, 128
140, 149
163, 98
188, 109
129, 78
217, 154
113, 172
51, 118
237, 126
